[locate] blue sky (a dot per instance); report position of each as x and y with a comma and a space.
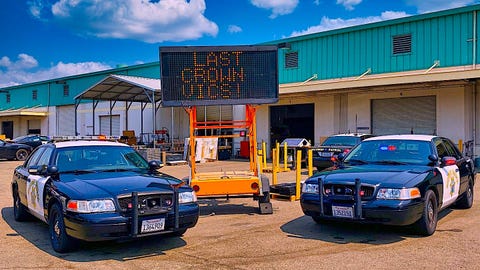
45, 39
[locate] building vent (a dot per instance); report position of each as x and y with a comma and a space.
66, 90
291, 60
402, 44
34, 94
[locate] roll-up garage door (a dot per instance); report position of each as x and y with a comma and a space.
215, 113
105, 125
66, 120
404, 115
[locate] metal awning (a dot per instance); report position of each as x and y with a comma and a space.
23, 112
124, 88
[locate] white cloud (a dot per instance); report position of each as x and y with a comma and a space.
20, 71
278, 7
349, 4
424, 6
148, 21
329, 24
234, 29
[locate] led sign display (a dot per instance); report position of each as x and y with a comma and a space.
219, 75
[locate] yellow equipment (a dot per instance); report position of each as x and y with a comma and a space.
245, 184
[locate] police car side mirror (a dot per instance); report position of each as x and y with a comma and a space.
51, 170
155, 165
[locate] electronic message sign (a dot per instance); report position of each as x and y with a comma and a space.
219, 75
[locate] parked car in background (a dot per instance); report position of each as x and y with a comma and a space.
334, 145
33, 140
393, 180
12, 151
100, 190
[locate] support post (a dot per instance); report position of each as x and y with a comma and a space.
298, 174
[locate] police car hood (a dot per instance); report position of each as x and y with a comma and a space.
111, 184
391, 175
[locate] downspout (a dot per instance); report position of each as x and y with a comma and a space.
474, 90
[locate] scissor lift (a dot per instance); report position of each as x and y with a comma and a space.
236, 183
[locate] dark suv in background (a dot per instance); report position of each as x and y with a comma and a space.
334, 145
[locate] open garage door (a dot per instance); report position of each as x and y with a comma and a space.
404, 115
292, 121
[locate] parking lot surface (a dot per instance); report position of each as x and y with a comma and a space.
232, 235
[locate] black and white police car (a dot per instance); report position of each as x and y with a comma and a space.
393, 180
100, 190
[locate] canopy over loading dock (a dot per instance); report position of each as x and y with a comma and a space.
122, 88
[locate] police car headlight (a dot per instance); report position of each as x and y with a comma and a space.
398, 193
310, 188
187, 197
91, 206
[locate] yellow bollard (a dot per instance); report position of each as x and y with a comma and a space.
274, 168
285, 157
310, 162
277, 146
264, 151
460, 145
260, 159
298, 174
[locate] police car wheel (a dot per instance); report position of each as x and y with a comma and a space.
466, 201
20, 212
427, 224
59, 239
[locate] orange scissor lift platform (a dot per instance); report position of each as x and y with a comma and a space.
230, 183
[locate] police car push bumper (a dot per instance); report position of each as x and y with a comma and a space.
112, 226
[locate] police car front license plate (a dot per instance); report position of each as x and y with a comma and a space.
153, 225
342, 211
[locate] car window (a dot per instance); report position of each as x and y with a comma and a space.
342, 140
34, 157
401, 151
452, 149
45, 157
441, 149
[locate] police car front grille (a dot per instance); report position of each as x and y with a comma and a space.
148, 204
348, 190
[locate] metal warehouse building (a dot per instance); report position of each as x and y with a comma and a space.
416, 74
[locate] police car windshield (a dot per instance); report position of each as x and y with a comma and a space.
392, 152
342, 140
99, 158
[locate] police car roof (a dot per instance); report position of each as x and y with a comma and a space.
415, 137
87, 143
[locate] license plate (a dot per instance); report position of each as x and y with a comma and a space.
326, 154
342, 211
153, 225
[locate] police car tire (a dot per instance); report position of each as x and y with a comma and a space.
60, 240
20, 212
427, 224
466, 201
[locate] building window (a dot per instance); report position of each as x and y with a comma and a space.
8, 98
291, 60
66, 90
34, 94
402, 44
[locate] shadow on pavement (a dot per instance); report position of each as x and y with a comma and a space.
36, 232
